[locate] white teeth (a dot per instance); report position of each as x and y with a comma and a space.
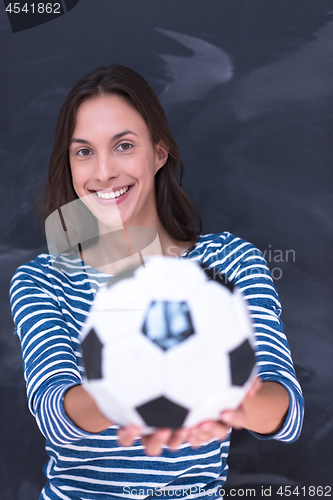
112, 195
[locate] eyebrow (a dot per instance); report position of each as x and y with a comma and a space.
114, 138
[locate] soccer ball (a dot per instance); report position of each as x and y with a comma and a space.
170, 344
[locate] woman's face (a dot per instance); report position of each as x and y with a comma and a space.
113, 162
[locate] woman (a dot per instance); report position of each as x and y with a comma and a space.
113, 150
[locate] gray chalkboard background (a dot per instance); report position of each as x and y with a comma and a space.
247, 86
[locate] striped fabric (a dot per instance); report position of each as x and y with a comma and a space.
49, 308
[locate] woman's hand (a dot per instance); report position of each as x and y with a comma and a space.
154, 442
197, 435
219, 430
263, 411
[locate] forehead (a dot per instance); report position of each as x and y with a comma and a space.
112, 112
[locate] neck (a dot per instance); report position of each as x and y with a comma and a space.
124, 246
171, 247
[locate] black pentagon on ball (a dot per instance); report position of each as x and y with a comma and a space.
168, 323
161, 412
92, 355
217, 276
242, 362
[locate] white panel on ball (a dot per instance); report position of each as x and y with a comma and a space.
136, 366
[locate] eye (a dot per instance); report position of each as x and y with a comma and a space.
83, 152
124, 146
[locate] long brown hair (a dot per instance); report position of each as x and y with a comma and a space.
173, 206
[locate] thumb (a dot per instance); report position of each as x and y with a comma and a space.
233, 418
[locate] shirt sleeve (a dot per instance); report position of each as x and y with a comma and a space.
49, 361
246, 267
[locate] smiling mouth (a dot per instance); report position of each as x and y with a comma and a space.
112, 195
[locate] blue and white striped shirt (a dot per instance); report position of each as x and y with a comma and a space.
49, 309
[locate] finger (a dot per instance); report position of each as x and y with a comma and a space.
233, 418
178, 438
200, 434
127, 435
154, 442
207, 431
217, 430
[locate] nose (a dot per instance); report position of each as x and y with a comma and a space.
106, 168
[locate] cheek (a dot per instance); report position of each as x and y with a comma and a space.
75, 170
146, 168
77, 179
